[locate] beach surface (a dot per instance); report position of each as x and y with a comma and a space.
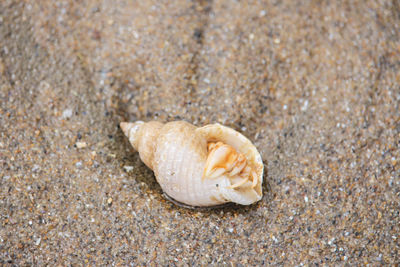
315, 85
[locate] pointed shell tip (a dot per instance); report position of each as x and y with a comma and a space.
124, 127
131, 128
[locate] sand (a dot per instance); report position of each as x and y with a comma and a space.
314, 84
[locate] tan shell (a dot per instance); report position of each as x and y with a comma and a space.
177, 153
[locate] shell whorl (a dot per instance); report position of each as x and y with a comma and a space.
143, 137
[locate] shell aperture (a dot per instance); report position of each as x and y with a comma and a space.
223, 158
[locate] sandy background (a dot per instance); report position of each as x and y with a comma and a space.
314, 84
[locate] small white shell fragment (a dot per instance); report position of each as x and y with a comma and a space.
81, 144
205, 166
128, 168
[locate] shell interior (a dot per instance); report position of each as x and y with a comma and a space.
246, 187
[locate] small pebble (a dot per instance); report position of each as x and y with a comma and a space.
78, 164
67, 113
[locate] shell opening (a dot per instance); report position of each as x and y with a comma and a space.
223, 159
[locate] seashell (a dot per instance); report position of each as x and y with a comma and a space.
199, 166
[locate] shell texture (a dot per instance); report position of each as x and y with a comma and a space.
205, 166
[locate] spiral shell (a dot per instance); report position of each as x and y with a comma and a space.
203, 166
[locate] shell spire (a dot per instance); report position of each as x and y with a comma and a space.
142, 136
199, 166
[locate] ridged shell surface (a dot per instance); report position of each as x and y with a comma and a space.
178, 169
